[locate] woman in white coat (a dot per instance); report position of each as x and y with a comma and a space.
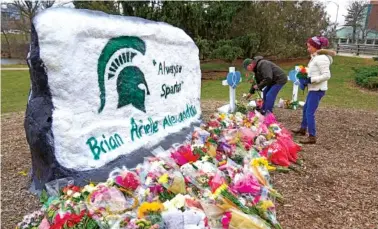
318, 75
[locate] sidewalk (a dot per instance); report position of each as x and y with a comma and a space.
354, 55
14, 69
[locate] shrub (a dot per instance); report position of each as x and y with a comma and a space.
367, 77
225, 50
204, 47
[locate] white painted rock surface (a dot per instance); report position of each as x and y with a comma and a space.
105, 91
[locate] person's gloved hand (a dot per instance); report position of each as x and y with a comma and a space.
253, 89
304, 82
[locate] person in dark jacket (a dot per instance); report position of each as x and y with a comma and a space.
267, 75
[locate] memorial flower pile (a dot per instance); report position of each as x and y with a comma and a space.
220, 178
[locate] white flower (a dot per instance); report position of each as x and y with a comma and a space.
187, 170
242, 200
205, 166
89, 188
109, 182
76, 195
178, 201
148, 181
197, 144
205, 158
69, 192
168, 206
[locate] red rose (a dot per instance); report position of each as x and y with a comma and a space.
75, 188
128, 181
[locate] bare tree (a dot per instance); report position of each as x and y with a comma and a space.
28, 9
355, 16
4, 28
47, 4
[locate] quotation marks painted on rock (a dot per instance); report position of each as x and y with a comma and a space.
170, 89
130, 77
168, 69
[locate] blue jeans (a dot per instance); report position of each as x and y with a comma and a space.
269, 96
309, 109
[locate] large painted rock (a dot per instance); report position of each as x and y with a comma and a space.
106, 90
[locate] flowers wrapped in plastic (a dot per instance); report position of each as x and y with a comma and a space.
184, 154
240, 220
219, 179
152, 212
276, 154
110, 200
128, 180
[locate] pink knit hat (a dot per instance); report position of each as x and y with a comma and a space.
318, 42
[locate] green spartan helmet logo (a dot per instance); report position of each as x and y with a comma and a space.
129, 78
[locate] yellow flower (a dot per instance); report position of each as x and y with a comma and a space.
146, 207
219, 190
261, 161
247, 123
163, 179
222, 163
222, 116
270, 135
265, 204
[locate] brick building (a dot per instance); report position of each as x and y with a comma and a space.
373, 15
368, 35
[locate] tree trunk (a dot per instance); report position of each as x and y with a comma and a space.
354, 35
9, 48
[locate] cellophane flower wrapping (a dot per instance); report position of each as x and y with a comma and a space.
218, 179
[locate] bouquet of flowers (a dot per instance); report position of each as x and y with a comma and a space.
218, 178
302, 76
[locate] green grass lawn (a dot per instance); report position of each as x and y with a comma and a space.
342, 92
341, 89
14, 66
14, 90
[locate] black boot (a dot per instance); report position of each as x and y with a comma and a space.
309, 140
300, 131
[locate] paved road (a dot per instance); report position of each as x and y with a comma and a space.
14, 69
354, 55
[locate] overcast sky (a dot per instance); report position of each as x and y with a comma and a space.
331, 8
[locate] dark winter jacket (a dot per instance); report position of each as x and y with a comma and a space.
267, 73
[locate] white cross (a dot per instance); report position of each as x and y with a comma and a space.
231, 107
295, 95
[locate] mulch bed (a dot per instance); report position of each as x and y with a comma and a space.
335, 188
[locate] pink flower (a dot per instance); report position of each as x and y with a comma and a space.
270, 119
247, 184
156, 189
217, 181
44, 224
251, 115
129, 180
226, 219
